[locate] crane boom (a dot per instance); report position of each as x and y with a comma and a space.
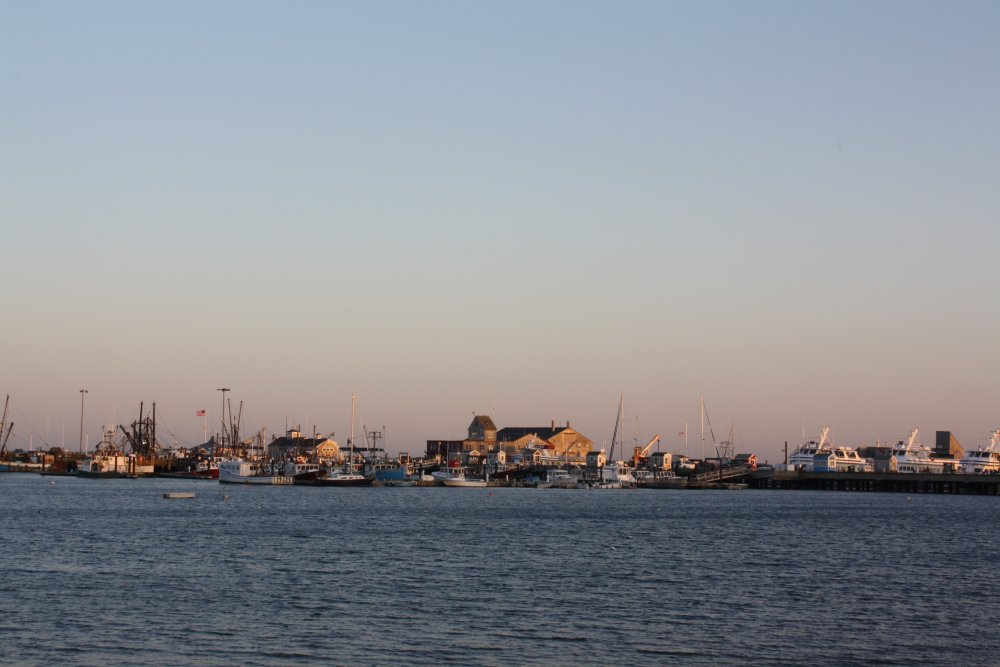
642, 453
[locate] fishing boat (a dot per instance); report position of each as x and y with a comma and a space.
111, 461
985, 458
178, 495
240, 471
559, 478
456, 475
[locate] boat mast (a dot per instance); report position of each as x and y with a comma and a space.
618, 422
353, 403
702, 428
4, 425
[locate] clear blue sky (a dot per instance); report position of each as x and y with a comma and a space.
523, 208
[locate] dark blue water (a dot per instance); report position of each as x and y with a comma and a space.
108, 572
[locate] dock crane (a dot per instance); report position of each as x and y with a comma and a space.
641, 454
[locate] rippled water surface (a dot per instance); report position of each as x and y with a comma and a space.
104, 572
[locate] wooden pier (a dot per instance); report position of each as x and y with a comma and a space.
891, 482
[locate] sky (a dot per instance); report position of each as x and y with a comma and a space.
522, 209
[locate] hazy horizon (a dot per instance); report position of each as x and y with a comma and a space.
517, 209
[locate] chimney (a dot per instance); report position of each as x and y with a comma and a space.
553, 424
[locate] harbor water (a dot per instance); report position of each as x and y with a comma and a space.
109, 572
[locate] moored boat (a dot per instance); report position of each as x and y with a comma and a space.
110, 461
456, 475
238, 471
813, 456
913, 457
841, 459
803, 457
985, 458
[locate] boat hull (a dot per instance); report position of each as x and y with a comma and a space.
338, 481
275, 480
465, 483
241, 472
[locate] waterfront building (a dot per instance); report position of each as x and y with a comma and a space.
555, 444
567, 444
947, 446
293, 444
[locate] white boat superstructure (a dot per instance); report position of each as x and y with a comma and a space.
843, 459
618, 473
456, 475
804, 456
558, 478
913, 457
985, 458
239, 471
822, 456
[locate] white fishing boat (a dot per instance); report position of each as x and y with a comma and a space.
558, 478
985, 458
239, 471
617, 475
110, 460
456, 475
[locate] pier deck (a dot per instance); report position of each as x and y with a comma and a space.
878, 481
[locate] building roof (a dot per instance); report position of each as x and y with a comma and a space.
286, 441
512, 433
485, 422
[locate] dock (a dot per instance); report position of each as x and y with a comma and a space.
885, 482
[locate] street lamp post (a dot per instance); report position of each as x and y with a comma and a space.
83, 393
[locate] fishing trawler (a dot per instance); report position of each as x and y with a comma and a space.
131, 456
241, 471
